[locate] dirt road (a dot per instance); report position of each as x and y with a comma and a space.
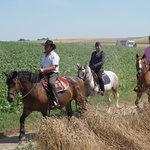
12, 142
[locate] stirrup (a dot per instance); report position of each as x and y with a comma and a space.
102, 93
56, 104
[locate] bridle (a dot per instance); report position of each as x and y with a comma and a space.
144, 69
15, 93
11, 93
139, 68
86, 78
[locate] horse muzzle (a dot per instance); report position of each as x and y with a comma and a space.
80, 77
139, 73
10, 97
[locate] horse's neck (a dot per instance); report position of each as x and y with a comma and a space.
26, 86
90, 80
144, 78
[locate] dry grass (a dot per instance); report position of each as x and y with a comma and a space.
103, 40
126, 128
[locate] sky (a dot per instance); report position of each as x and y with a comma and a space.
65, 19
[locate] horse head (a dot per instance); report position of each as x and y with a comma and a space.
13, 85
140, 64
83, 71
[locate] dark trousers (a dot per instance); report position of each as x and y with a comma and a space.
52, 77
101, 82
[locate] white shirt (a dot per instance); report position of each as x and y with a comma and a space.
50, 60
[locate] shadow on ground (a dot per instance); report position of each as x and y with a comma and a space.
15, 139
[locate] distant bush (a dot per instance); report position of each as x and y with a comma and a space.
23, 40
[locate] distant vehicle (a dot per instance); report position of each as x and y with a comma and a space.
124, 42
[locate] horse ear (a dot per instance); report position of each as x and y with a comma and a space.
143, 56
15, 73
78, 65
5, 74
85, 66
137, 55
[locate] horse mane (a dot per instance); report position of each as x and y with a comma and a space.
29, 76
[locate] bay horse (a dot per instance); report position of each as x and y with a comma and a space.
35, 97
143, 78
110, 84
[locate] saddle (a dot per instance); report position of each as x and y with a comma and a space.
105, 78
61, 84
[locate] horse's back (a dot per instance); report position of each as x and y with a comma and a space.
74, 81
113, 77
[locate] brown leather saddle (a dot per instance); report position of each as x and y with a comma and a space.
61, 84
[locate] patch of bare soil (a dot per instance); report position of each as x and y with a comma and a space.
11, 142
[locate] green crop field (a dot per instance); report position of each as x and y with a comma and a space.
27, 56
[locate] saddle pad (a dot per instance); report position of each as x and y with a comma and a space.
61, 84
106, 79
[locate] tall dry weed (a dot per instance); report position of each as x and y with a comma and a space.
126, 128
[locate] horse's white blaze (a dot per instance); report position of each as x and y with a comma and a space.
140, 65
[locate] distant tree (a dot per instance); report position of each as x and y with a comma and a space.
43, 39
23, 40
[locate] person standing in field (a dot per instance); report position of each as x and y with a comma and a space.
50, 67
96, 64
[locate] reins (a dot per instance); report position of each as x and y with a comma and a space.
146, 69
88, 79
28, 93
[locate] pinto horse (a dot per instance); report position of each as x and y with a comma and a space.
143, 78
111, 83
35, 97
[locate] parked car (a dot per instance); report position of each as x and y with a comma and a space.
125, 42
130, 43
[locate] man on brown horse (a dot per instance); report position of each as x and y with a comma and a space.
50, 67
96, 63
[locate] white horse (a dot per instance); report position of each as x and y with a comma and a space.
85, 73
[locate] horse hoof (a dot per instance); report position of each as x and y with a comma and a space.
135, 90
118, 107
22, 138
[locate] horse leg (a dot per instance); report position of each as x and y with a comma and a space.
69, 109
148, 97
22, 120
116, 96
137, 99
108, 100
81, 99
46, 114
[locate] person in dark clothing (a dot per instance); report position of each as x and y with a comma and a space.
97, 64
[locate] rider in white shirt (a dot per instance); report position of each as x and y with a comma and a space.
50, 67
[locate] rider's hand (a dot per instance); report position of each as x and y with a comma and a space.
41, 70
